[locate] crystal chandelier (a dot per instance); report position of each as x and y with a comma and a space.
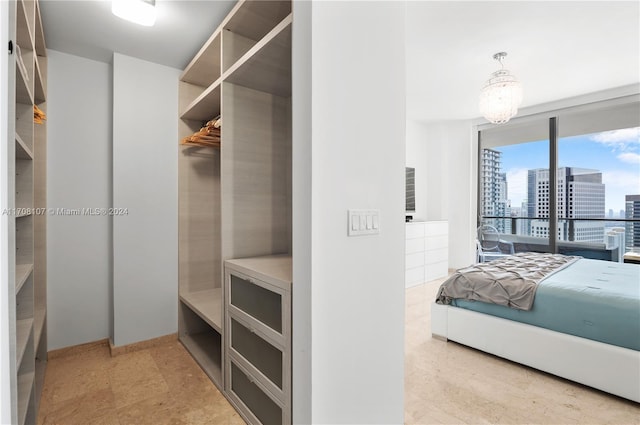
501, 94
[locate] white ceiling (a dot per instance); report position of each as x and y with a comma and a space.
556, 49
87, 28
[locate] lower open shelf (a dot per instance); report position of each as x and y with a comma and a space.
41, 366
206, 350
201, 340
25, 389
24, 328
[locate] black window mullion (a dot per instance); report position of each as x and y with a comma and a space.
553, 184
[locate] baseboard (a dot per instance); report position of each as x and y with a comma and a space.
142, 345
76, 349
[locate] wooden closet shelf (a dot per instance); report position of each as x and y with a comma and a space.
25, 385
206, 105
23, 332
40, 94
23, 26
22, 150
206, 304
41, 48
266, 66
204, 68
23, 92
23, 271
38, 326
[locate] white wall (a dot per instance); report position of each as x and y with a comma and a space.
355, 116
451, 185
78, 170
445, 157
5, 360
416, 156
145, 241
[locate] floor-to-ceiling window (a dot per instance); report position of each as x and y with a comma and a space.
566, 182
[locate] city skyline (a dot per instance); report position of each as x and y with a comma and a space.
616, 154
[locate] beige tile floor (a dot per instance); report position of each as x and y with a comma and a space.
160, 385
445, 383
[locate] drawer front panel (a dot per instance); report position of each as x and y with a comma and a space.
257, 401
435, 242
262, 355
414, 230
436, 256
258, 302
414, 245
414, 260
436, 228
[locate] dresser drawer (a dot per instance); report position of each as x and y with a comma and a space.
414, 260
436, 255
414, 245
265, 357
257, 299
436, 242
433, 228
252, 399
414, 230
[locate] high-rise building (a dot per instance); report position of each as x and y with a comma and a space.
632, 211
580, 194
523, 225
495, 191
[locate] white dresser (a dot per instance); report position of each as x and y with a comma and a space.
427, 251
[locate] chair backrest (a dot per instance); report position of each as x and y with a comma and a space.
489, 237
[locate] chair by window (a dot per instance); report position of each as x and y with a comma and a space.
489, 246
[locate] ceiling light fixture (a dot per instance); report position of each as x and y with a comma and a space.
142, 12
501, 94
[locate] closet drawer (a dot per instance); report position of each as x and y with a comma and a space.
414, 260
436, 242
434, 228
266, 358
436, 255
255, 299
414, 230
414, 245
252, 399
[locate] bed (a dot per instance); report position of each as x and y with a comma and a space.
575, 318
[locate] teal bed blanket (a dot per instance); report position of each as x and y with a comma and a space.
594, 299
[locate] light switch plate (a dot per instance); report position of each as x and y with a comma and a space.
363, 222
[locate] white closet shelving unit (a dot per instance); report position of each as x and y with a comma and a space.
235, 200
27, 202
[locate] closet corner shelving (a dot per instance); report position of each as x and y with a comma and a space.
27, 201
235, 198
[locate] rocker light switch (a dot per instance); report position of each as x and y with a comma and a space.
363, 222
355, 222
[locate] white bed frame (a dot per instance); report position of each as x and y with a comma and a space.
606, 367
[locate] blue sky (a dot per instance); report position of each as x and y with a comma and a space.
615, 153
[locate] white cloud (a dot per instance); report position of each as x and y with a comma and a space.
623, 140
618, 184
629, 157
